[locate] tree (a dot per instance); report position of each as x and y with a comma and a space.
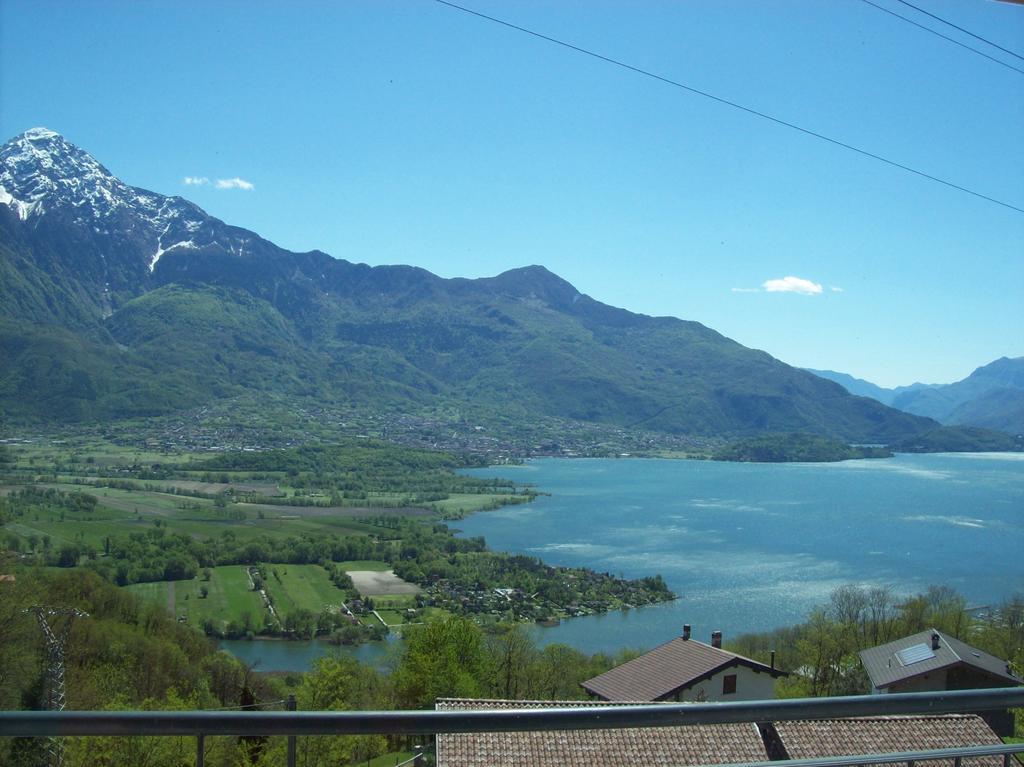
68, 556
336, 683
947, 610
302, 622
881, 610
444, 658
560, 669
514, 657
823, 648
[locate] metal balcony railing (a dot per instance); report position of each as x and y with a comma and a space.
200, 724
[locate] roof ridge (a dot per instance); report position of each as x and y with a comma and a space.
891, 717
721, 650
549, 702
949, 643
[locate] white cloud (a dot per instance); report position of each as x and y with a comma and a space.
196, 180
234, 183
792, 284
836, 289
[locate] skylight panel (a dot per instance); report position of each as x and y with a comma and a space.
915, 654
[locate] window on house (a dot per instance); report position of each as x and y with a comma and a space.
728, 684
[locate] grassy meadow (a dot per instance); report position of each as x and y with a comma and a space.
301, 587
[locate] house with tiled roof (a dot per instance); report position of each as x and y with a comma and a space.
881, 735
685, 670
933, 660
679, 746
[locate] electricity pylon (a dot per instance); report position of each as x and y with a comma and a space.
55, 685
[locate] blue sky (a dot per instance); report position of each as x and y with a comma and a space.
408, 132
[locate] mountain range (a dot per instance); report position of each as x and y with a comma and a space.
119, 302
991, 397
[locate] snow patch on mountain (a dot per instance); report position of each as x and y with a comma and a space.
21, 209
160, 250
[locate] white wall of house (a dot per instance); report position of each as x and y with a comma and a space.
750, 685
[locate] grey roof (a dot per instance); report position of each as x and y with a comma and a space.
667, 668
885, 668
687, 745
888, 734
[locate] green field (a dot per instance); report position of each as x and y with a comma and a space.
153, 592
364, 564
301, 586
230, 599
394, 601
145, 475
125, 511
85, 454
460, 504
392, 617
131, 533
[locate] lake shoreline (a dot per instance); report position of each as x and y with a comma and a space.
773, 537
752, 547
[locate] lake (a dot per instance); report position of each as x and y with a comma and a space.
750, 547
299, 655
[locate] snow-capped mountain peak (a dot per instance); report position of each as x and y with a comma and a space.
40, 170
121, 231
42, 173
40, 133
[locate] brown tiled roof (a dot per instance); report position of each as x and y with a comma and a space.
692, 745
888, 734
884, 666
666, 668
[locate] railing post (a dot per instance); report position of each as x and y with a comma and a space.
200, 750
290, 706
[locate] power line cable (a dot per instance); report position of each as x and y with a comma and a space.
733, 104
965, 31
944, 37
249, 706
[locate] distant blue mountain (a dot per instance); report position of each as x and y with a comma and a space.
863, 388
992, 396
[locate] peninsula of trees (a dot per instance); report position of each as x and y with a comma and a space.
783, 448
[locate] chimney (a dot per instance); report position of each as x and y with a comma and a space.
935, 640
773, 660
686, 632
716, 639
